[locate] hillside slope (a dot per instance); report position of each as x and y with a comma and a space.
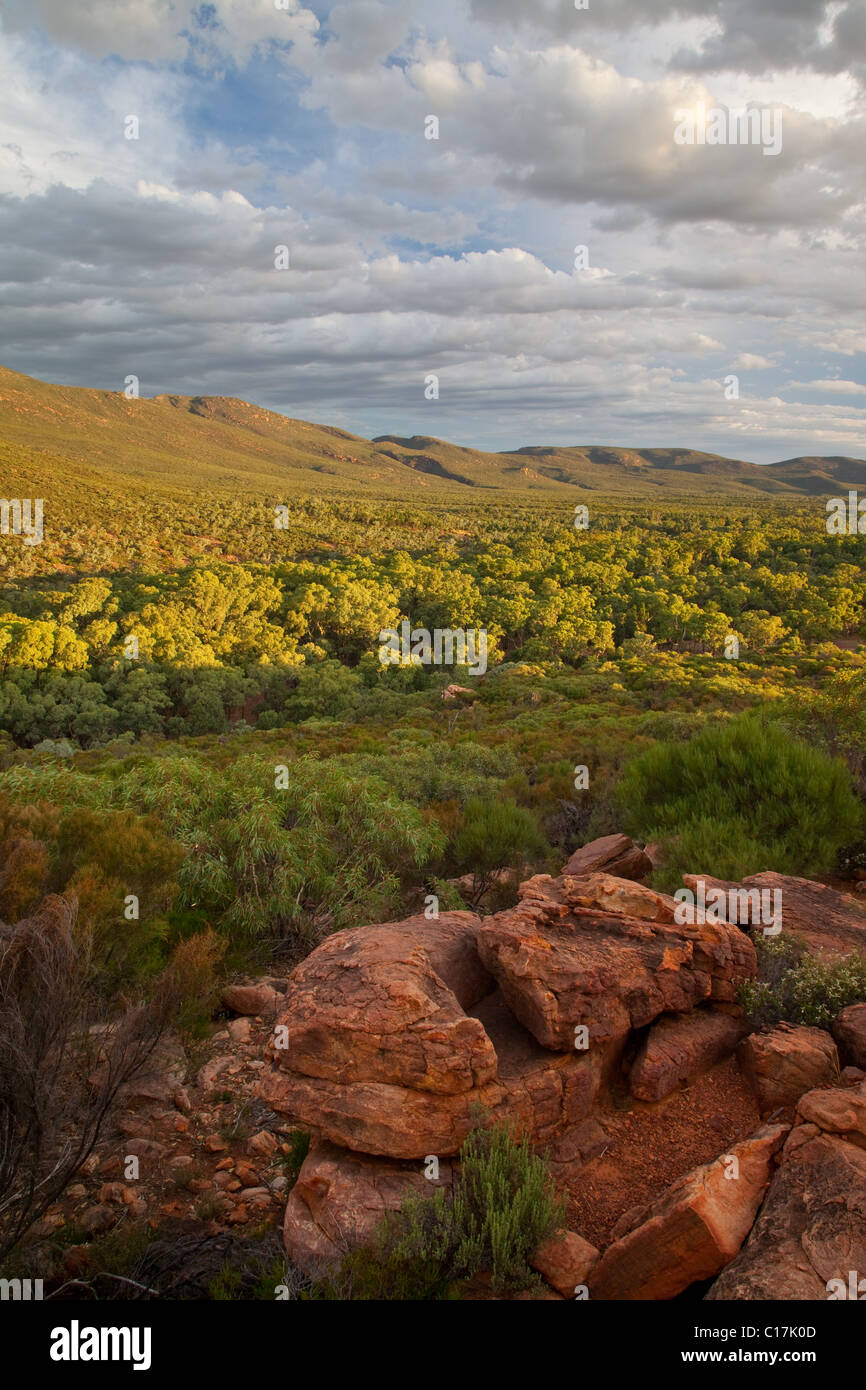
90, 438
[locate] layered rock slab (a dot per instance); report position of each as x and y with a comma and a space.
561, 965
811, 1232
694, 1229
614, 854
380, 1056
830, 924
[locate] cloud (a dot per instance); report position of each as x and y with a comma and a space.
261, 128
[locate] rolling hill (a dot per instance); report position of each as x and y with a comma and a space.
169, 443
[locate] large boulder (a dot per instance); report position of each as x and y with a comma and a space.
614, 854
561, 965
340, 1198
376, 1004
829, 923
849, 1030
677, 1050
392, 1039
694, 1229
784, 1062
810, 1237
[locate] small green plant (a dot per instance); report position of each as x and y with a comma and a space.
227, 1285
501, 1208
299, 1142
798, 988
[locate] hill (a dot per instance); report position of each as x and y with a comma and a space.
100, 439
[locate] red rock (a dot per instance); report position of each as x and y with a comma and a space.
565, 1261
849, 1030
614, 854
111, 1192
263, 1143
836, 1112
341, 1198
385, 1004
610, 894
676, 1050
830, 923
561, 965
784, 1062
215, 1144
811, 1230
694, 1229
540, 1092
251, 1000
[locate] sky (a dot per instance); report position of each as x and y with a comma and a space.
154, 154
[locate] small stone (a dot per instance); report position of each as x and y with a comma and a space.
215, 1145
262, 1143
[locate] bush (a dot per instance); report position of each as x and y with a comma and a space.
798, 988
502, 1207
741, 797
495, 835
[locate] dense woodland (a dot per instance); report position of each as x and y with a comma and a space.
148, 709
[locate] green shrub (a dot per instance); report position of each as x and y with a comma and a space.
501, 1208
798, 988
495, 835
740, 797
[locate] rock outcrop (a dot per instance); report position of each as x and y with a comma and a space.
784, 1062
829, 923
676, 1050
810, 1236
849, 1030
560, 965
695, 1229
613, 854
340, 1198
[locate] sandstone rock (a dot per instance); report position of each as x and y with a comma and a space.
239, 1030
829, 923
385, 1005
565, 1261
811, 1229
340, 1198
251, 1000
539, 1092
207, 1075
615, 854
263, 1144
610, 894
694, 1229
97, 1219
394, 1036
836, 1112
561, 965
676, 1050
849, 1030
781, 1064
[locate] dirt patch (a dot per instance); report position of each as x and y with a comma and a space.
650, 1146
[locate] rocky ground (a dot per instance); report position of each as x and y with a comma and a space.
586, 1015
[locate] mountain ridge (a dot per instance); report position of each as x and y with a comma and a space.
171, 441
